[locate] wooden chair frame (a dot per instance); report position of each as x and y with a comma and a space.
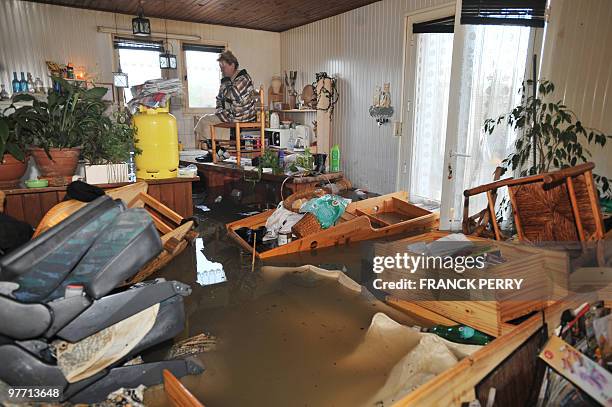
261, 125
565, 176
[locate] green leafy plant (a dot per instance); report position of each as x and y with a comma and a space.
553, 130
9, 142
75, 117
65, 120
109, 140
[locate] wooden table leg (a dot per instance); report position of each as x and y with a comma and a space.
238, 139
214, 142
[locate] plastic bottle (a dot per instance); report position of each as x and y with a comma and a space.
334, 163
15, 84
281, 158
131, 168
461, 334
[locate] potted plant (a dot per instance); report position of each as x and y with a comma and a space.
107, 149
550, 132
13, 163
58, 127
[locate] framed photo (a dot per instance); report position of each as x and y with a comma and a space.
111, 95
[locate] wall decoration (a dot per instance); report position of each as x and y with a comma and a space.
381, 108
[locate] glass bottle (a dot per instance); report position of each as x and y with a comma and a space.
15, 84
3, 93
461, 334
23, 84
31, 87
38, 84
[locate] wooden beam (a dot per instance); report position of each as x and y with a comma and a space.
177, 394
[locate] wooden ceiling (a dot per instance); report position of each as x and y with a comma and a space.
269, 15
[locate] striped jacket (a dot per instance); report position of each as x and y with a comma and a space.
235, 101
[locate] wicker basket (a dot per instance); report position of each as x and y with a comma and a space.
306, 226
294, 201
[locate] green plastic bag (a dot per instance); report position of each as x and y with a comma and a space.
327, 209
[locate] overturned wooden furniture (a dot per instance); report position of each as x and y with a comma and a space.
489, 311
373, 218
176, 232
555, 206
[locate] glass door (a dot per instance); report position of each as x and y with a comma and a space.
489, 65
433, 57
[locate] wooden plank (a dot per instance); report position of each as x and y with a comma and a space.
517, 219
188, 199
575, 209
161, 208
413, 308
597, 217
2, 196
32, 210
48, 200
493, 217
14, 207
166, 195
178, 195
155, 191
177, 394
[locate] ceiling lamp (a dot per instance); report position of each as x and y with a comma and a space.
167, 60
141, 26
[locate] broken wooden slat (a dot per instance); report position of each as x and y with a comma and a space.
177, 394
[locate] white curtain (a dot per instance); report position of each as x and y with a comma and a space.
434, 53
492, 69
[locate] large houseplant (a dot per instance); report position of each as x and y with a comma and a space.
553, 130
58, 127
12, 154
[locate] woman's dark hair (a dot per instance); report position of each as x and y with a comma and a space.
229, 58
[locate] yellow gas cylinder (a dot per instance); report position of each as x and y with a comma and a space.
157, 137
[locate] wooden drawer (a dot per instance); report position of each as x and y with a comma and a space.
539, 266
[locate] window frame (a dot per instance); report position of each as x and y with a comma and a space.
183, 70
116, 59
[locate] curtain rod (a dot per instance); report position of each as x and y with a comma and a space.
123, 31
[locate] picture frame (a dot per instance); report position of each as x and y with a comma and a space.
111, 95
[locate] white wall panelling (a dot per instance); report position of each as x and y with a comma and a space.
363, 48
577, 58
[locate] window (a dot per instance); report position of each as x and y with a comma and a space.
202, 74
140, 60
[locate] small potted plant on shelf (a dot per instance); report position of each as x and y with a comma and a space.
106, 150
13, 162
59, 127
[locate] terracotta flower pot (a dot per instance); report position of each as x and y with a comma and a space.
62, 164
11, 171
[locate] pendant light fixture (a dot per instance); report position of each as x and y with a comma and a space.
141, 26
167, 59
120, 78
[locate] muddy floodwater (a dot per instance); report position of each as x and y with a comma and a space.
282, 339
